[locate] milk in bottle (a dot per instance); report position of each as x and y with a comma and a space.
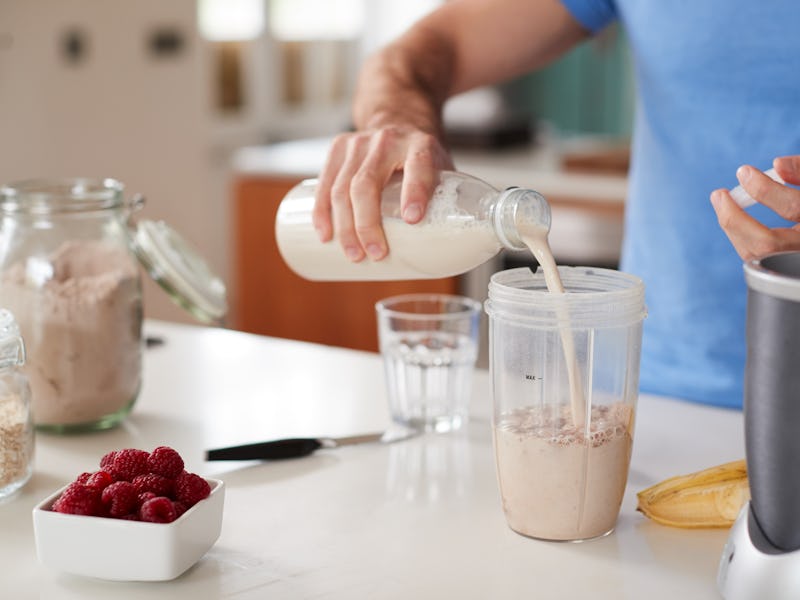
466, 223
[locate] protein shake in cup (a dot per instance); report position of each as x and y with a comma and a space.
565, 371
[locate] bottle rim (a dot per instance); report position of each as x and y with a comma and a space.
509, 209
63, 195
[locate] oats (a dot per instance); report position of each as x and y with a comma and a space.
16, 440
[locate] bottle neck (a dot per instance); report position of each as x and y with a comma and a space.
518, 210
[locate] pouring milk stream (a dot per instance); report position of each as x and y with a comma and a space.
535, 237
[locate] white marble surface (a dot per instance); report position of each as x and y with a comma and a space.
417, 519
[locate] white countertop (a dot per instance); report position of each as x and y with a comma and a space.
417, 519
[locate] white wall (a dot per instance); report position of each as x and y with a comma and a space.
151, 122
119, 113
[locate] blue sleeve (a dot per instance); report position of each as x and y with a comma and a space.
594, 15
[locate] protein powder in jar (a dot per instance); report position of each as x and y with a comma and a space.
69, 273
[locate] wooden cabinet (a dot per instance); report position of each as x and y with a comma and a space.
270, 299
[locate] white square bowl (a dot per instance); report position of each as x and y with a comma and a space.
123, 550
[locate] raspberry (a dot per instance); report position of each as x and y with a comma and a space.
120, 498
180, 508
158, 510
77, 499
190, 488
144, 497
99, 480
165, 461
128, 463
150, 482
135, 485
107, 459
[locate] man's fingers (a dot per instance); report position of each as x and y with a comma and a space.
749, 237
788, 167
383, 158
424, 159
359, 165
321, 214
341, 203
783, 199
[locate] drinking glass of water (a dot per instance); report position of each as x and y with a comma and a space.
429, 344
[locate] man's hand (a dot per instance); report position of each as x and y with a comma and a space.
358, 167
751, 238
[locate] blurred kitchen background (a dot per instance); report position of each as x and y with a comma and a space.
214, 108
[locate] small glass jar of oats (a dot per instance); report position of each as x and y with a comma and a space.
16, 423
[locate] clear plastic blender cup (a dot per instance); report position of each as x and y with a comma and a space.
565, 377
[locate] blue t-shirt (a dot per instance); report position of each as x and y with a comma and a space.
718, 86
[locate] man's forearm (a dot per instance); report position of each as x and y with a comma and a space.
406, 83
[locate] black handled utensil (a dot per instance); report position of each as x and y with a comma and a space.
297, 447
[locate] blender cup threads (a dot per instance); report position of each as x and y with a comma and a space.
562, 475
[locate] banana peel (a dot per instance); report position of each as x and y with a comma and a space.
712, 497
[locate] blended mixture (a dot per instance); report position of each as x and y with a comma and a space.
80, 313
557, 483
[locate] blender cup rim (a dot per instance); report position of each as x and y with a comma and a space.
606, 282
613, 299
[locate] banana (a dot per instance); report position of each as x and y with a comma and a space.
712, 497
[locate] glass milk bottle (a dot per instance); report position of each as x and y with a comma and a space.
467, 222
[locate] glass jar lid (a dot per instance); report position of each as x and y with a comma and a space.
179, 269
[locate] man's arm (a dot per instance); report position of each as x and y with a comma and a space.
398, 103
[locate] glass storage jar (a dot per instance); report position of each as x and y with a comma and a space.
16, 424
69, 273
